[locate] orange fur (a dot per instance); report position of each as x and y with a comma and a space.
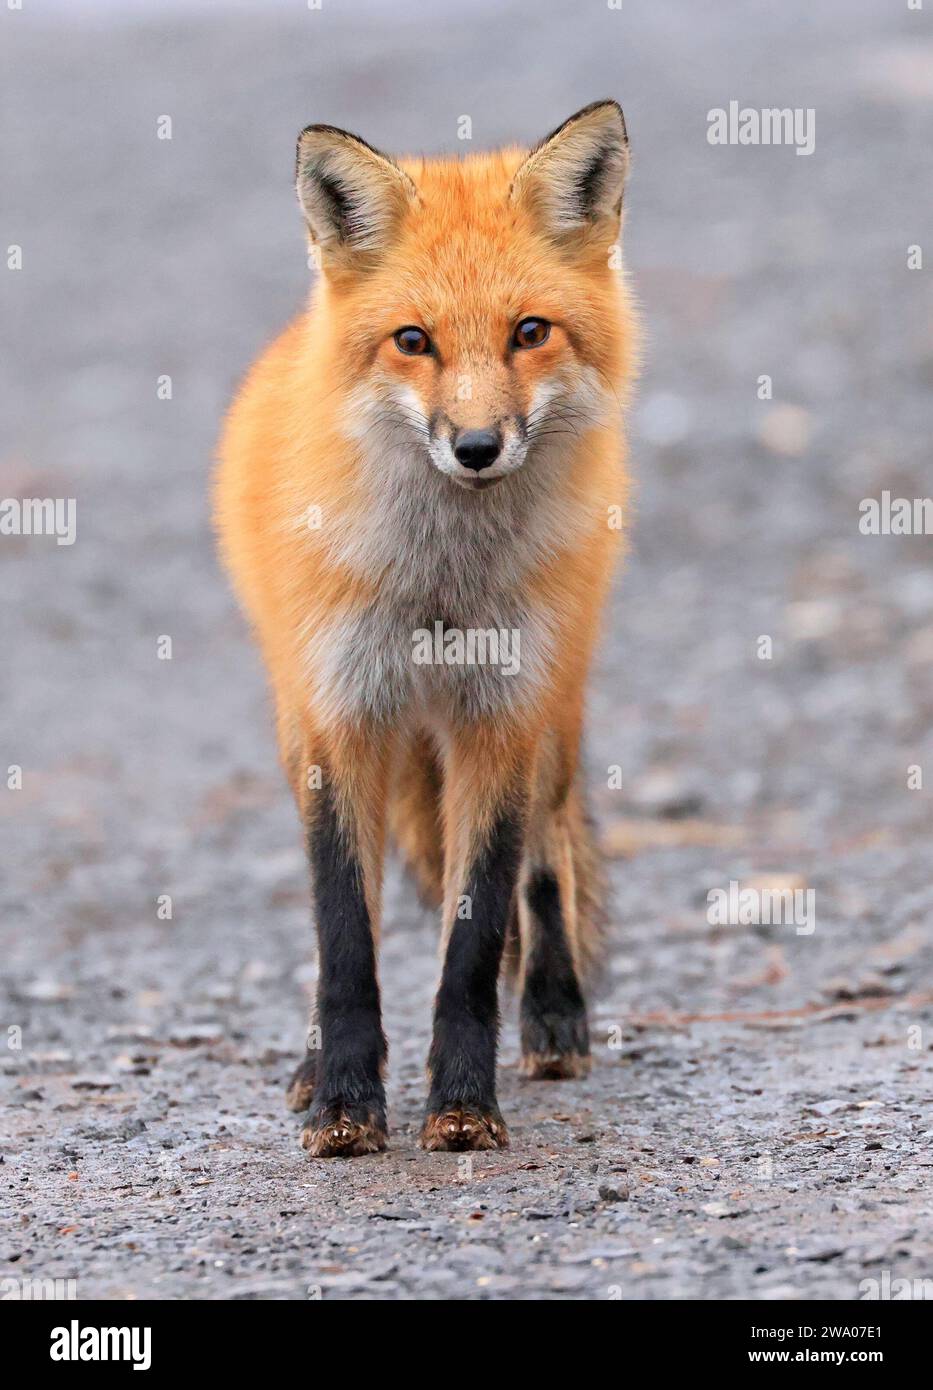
460, 248
285, 447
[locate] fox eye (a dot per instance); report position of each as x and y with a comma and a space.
531, 333
414, 342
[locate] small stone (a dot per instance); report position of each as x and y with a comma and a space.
613, 1194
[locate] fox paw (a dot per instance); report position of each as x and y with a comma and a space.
459, 1128
554, 1066
555, 1047
344, 1130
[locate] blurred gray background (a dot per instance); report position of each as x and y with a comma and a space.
757, 1123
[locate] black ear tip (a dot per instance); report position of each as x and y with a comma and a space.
324, 135
334, 134
321, 128
303, 135
607, 104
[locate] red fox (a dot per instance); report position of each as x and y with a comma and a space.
419, 500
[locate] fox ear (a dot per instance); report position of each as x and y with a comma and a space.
352, 196
574, 178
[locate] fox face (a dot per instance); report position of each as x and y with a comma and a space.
472, 308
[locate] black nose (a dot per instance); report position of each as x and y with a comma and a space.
477, 448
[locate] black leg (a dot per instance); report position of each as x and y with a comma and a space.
348, 1110
462, 1110
555, 1037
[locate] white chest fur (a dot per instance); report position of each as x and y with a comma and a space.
445, 562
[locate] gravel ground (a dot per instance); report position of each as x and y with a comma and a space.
757, 1122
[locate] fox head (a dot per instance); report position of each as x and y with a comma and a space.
474, 307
